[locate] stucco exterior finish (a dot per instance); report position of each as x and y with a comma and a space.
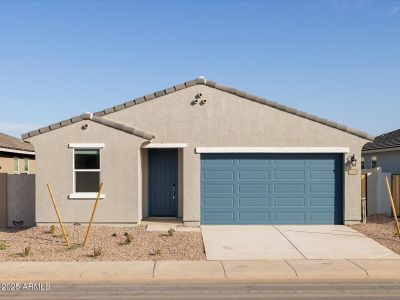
389, 161
225, 120
7, 163
119, 165
228, 120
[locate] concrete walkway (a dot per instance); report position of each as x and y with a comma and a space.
252, 242
198, 271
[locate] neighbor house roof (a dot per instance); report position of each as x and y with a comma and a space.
12, 144
201, 80
384, 141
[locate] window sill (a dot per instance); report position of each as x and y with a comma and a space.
85, 196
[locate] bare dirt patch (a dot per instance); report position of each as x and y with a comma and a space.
112, 242
382, 229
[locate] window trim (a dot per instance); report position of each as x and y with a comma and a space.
372, 161
26, 160
84, 195
16, 159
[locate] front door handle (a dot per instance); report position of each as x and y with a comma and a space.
173, 191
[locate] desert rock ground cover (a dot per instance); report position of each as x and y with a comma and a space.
110, 243
382, 229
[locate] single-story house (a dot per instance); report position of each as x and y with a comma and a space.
17, 161
383, 152
203, 152
16, 156
381, 159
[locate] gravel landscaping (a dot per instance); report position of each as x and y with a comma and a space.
382, 229
108, 243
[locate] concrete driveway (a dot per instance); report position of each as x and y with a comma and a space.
261, 242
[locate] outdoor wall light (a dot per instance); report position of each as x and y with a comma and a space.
353, 160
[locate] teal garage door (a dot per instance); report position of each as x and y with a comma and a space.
271, 189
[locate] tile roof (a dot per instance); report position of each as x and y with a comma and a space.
384, 141
97, 119
12, 143
202, 80
118, 126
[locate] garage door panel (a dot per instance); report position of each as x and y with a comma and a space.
289, 174
219, 201
218, 174
218, 217
253, 217
253, 174
322, 217
271, 189
218, 188
289, 217
291, 162
321, 188
261, 202
285, 188
289, 202
253, 188
321, 201
322, 175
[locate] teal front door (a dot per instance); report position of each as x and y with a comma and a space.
163, 182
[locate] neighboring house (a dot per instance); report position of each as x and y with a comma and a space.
383, 152
381, 159
204, 152
16, 156
17, 188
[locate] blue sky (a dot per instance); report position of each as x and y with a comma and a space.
338, 59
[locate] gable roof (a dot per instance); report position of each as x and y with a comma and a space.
91, 117
202, 80
12, 143
384, 141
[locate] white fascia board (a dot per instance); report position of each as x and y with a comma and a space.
86, 145
164, 145
16, 151
85, 196
272, 150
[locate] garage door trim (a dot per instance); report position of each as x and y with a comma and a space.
200, 150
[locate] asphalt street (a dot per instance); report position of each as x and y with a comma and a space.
300, 290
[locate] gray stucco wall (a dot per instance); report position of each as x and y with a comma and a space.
119, 165
225, 120
388, 161
228, 120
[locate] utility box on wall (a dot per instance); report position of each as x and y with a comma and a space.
17, 200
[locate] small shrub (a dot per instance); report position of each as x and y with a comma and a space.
97, 251
27, 251
126, 234
57, 235
74, 246
114, 234
128, 239
171, 231
52, 229
3, 245
155, 252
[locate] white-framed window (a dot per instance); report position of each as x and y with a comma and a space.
16, 165
374, 161
87, 170
362, 163
26, 166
